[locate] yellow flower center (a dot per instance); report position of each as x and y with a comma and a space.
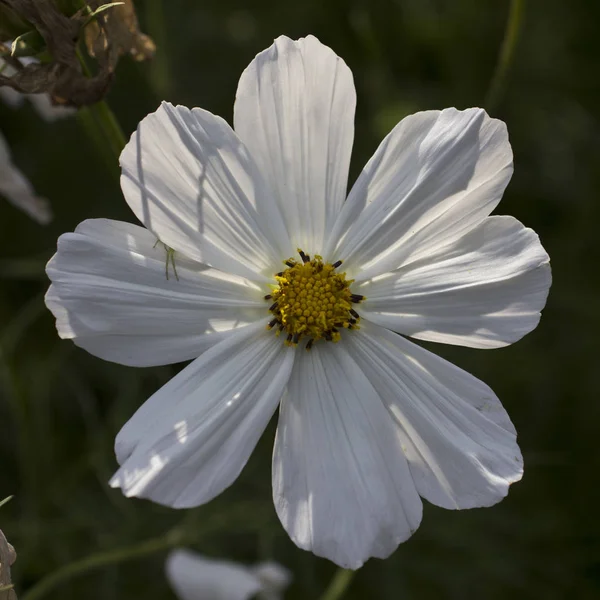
312, 301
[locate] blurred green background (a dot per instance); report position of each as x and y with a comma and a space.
60, 408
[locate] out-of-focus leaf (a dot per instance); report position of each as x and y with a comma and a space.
28, 44
11, 25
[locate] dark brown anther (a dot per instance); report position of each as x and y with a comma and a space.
334, 329
268, 297
305, 257
280, 274
354, 313
338, 324
310, 344
356, 298
272, 323
296, 338
289, 337
281, 327
328, 336
273, 306
336, 264
352, 321
290, 263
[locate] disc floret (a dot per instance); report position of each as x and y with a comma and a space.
312, 301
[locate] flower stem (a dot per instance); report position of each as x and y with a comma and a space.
110, 125
95, 561
506, 55
159, 68
93, 130
339, 585
99, 116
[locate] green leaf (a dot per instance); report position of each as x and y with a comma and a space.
28, 44
100, 9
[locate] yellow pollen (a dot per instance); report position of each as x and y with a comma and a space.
312, 301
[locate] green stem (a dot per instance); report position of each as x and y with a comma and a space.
105, 116
159, 67
102, 559
100, 116
507, 52
339, 585
93, 130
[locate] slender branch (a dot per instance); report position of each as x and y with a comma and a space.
187, 532
506, 55
102, 559
339, 585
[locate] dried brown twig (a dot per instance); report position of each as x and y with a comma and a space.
112, 33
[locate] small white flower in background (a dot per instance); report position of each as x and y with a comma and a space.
195, 577
17, 189
41, 102
256, 222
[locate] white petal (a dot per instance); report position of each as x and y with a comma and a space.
111, 296
459, 441
18, 191
192, 438
274, 579
294, 110
341, 483
432, 179
484, 291
195, 577
190, 180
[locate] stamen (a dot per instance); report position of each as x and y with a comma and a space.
312, 301
305, 257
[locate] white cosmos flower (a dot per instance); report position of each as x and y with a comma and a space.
366, 425
195, 577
